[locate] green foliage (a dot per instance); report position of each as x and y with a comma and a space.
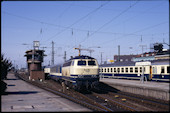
6, 66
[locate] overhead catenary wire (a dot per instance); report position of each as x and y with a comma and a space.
72, 28
124, 34
140, 13
79, 20
149, 27
65, 28
124, 11
92, 31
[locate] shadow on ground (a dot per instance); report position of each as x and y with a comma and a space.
19, 93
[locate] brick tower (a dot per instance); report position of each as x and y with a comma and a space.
34, 62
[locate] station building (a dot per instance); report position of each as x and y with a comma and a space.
147, 56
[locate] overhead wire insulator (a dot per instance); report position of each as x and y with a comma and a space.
72, 31
41, 31
88, 33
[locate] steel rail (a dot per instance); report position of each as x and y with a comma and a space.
109, 100
92, 105
144, 101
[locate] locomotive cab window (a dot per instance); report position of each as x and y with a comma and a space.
81, 63
91, 63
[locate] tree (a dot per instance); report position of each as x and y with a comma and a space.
158, 47
6, 66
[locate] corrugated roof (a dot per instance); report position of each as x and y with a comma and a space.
161, 62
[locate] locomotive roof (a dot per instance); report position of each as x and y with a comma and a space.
82, 57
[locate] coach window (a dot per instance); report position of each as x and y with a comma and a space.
102, 69
168, 69
162, 70
154, 70
140, 69
81, 63
111, 70
118, 70
123, 70
69, 63
114, 69
108, 69
136, 69
126, 69
131, 69
105, 69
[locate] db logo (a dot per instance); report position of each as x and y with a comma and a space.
87, 70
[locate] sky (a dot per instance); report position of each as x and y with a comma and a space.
95, 25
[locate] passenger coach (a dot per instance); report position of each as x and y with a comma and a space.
156, 70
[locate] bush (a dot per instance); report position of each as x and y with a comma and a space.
6, 66
3, 87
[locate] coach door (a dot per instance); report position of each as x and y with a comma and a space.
150, 73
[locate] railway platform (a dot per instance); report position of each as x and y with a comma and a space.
158, 90
24, 97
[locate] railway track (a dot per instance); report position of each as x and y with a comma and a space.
140, 103
145, 104
102, 99
70, 94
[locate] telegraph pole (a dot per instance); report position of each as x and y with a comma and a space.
118, 53
101, 58
65, 56
52, 57
142, 47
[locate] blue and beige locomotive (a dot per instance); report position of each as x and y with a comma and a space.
80, 72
